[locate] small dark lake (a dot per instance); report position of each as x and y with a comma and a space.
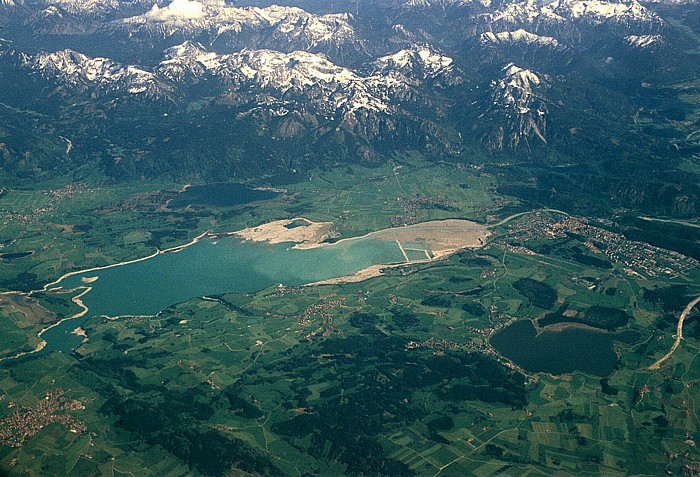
563, 351
220, 195
12, 256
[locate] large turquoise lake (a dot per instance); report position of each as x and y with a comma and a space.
210, 267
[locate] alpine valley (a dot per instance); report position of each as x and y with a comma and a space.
582, 84
349, 237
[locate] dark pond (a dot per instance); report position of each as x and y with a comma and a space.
12, 256
297, 223
560, 352
220, 195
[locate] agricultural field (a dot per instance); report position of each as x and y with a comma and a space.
349, 238
78, 227
394, 374
67, 227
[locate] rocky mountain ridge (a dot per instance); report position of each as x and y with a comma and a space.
431, 75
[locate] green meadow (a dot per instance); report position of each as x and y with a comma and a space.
390, 376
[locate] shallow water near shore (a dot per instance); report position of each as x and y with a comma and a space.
210, 267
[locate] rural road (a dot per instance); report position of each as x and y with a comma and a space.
508, 219
679, 335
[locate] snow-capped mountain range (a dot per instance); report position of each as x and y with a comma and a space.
520, 36
531, 11
299, 72
214, 21
255, 82
380, 69
98, 77
281, 74
567, 17
420, 62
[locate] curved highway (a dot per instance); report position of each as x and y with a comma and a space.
679, 335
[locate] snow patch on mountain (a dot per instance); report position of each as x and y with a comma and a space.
516, 99
520, 36
644, 41
178, 9
539, 14
49, 12
98, 75
420, 61
416, 3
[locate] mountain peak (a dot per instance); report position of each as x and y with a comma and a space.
101, 76
278, 27
188, 48
420, 61
519, 107
520, 36
520, 78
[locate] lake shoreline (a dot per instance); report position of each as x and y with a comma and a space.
538, 351
42, 343
269, 232
437, 239
278, 231
175, 249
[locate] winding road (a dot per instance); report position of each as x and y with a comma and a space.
679, 335
520, 214
670, 221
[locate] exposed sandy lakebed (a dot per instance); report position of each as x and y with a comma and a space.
436, 239
305, 234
